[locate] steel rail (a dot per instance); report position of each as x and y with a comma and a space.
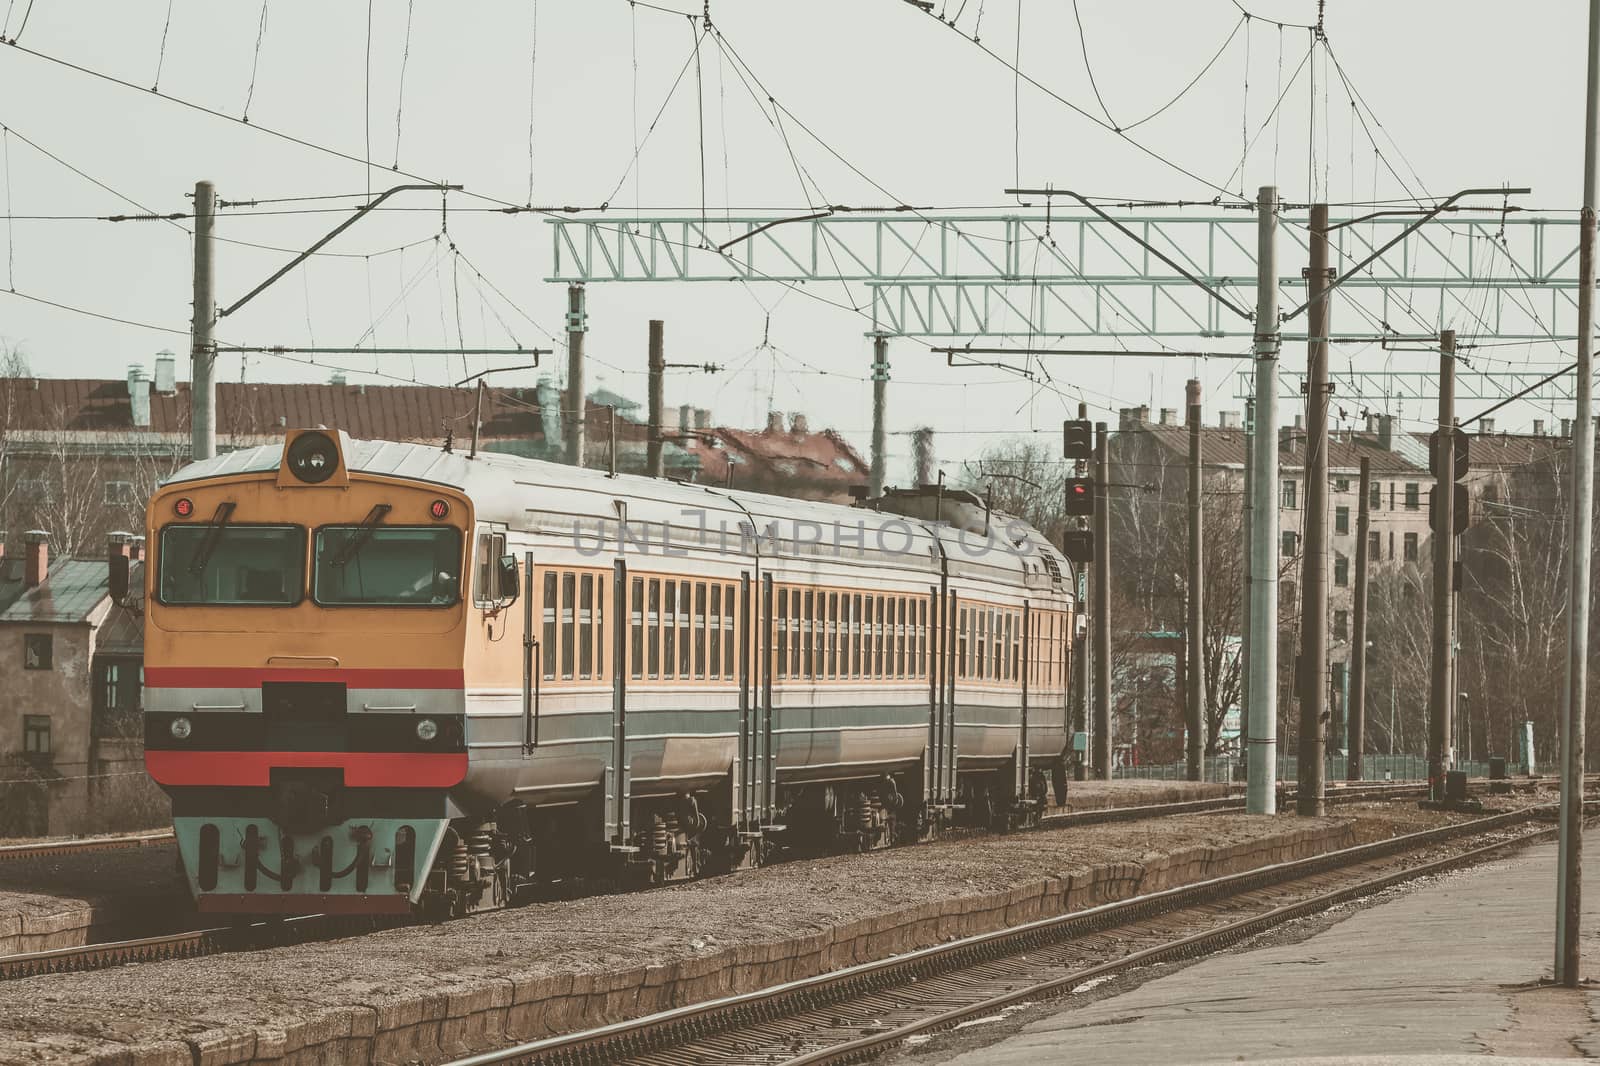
182, 945
666, 1028
92, 844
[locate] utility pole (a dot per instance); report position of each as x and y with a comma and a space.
203, 349
1358, 636
1440, 690
658, 371
1197, 637
880, 385
1244, 599
1261, 731
1101, 587
1314, 599
577, 395
1569, 891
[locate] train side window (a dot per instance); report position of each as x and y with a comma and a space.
569, 583
547, 604
653, 619
807, 663
866, 637
730, 597
902, 666
833, 634
846, 619
636, 617
669, 631
997, 664
922, 637
586, 626
716, 630
961, 645
795, 622
783, 633
980, 640
700, 630
601, 656
684, 631
1016, 646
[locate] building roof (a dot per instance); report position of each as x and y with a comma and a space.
71, 592
816, 460
1225, 447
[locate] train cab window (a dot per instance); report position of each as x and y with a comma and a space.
653, 619
237, 564
391, 566
783, 633
715, 635
548, 618
636, 619
700, 630
669, 628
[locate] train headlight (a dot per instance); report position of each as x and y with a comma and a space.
313, 458
427, 729
181, 728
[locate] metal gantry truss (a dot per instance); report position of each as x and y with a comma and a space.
1383, 385
1037, 274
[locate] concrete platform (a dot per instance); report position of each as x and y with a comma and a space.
1140, 792
1447, 971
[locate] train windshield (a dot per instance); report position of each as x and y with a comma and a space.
387, 565
244, 565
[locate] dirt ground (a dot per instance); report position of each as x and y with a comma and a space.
58, 1017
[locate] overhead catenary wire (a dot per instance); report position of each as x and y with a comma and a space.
400, 91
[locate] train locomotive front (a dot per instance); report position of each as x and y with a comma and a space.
304, 704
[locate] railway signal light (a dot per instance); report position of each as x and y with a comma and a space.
1077, 439
1078, 546
1079, 497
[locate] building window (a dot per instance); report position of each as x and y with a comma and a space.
1341, 625
1375, 496
1341, 520
1286, 594
36, 736
1374, 547
1341, 484
1290, 541
1287, 501
36, 651
113, 673
1413, 496
119, 492
1411, 547
1341, 569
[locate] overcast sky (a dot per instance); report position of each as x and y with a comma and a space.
1469, 95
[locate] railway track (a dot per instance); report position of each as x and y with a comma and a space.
857, 1013
258, 935
48, 848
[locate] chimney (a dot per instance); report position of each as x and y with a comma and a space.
136, 549
1228, 419
1169, 416
922, 452
798, 424
1486, 426
1386, 432
1538, 427
685, 418
1372, 423
1566, 427
774, 423
1142, 412
119, 543
1285, 438
36, 558
166, 372
1300, 422
702, 418
138, 397
337, 378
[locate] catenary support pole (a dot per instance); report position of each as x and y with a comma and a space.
880, 385
1569, 895
1357, 713
1244, 598
1196, 686
203, 352
658, 371
1101, 610
1310, 793
577, 413
1440, 689
1261, 731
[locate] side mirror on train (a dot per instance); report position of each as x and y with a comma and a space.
119, 579
509, 583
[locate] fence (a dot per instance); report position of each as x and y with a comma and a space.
1231, 769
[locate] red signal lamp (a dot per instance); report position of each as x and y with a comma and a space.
439, 509
184, 507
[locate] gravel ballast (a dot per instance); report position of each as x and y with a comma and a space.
427, 993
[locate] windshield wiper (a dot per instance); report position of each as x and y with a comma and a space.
362, 534
213, 537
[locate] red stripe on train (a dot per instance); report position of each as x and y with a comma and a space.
253, 676
362, 769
